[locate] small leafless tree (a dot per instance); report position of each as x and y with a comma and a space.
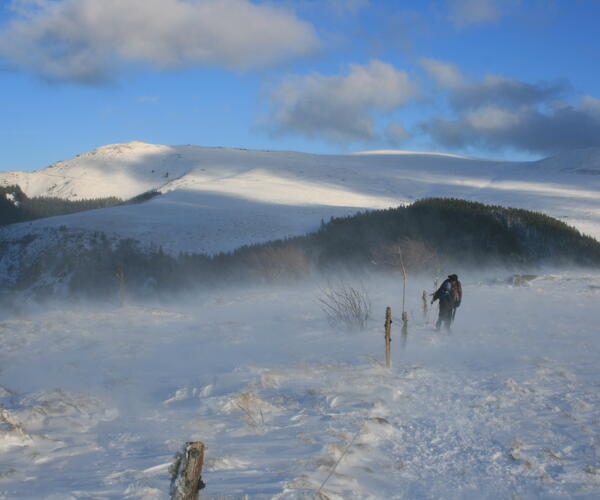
408, 255
346, 305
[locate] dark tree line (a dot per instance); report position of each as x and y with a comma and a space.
460, 231
16, 206
452, 231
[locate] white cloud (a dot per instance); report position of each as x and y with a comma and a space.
530, 129
89, 40
340, 108
488, 118
445, 74
591, 105
463, 13
492, 89
497, 112
396, 134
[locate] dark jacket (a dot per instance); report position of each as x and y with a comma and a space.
449, 293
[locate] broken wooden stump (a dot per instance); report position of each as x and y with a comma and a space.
186, 472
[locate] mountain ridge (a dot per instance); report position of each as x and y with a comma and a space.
217, 199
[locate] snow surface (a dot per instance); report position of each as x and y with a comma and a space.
217, 199
96, 400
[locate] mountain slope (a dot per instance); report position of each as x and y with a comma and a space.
217, 199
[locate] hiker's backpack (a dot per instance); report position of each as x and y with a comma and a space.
456, 292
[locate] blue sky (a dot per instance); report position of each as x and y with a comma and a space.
514, 79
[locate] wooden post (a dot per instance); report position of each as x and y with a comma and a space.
403, 282
425, 306
388, 336
186, 472
404, 313
404, 328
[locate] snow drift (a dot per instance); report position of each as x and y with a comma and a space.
97, 400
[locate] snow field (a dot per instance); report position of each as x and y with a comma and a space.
218, 199
97, 400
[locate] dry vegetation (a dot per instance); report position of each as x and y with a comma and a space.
346, 306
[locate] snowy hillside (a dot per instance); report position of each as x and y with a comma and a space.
95, 401
121, 170
217, 199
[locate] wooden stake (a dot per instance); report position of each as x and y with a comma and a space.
403, 282
404, 333
404, 313
388, 336
425, 306
186, 479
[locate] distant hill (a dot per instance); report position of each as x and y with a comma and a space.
427, 236
218, 199
451, 231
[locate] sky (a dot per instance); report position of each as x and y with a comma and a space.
506, 79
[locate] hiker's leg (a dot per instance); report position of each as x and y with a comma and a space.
446, 315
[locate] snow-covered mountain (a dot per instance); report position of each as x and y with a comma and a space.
217, 199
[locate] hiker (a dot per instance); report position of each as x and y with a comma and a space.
450, 295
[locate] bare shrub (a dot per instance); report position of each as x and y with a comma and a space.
250, 404
346, 306
279, 263
415, 255
12, 424
255, 409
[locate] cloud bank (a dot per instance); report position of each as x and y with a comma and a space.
339, 108
89, 41
497, 112
492, 113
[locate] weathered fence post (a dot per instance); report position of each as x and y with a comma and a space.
186, 472
404, 313
388, 335
404, 328
425, 306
